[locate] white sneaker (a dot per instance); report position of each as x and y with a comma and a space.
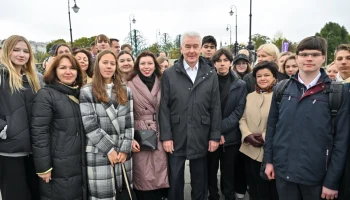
239, 196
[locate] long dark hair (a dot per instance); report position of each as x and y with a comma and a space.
98, 84
157, 70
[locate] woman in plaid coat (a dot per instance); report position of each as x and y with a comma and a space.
107, 111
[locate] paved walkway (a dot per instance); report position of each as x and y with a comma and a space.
188, 185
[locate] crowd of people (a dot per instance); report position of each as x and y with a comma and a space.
277, 127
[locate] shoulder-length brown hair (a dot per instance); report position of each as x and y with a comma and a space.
99, 86
291, 57
89, 70
157, 70
50, 76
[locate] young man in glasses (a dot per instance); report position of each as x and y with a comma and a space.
301, 151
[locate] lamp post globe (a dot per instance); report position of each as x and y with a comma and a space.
75, 8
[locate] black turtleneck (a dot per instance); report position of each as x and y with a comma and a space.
148, 81
222, 81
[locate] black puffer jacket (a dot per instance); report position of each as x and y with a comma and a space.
58, 142
15, 112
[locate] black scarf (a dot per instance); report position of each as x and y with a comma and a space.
148, 81
224, 88
65, 89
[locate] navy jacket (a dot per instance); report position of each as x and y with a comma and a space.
299, 141
233, 110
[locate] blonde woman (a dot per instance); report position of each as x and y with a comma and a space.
18, 85
332, 71
266, 52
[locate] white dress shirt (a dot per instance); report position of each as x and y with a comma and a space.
313, 83
191, 72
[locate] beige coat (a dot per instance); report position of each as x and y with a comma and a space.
254, 120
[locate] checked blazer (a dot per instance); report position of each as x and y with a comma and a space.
102, 136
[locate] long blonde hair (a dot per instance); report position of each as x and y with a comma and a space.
15, 80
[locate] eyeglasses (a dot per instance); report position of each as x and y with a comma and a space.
306, 55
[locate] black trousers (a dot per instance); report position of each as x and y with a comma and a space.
293, 191
226, 156
18, 179
259, 189
149, 195
240, 174
199, 182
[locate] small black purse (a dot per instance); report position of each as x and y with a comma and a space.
148, 139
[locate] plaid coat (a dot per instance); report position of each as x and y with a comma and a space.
102, 136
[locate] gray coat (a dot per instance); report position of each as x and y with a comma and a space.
102, 137
190, 113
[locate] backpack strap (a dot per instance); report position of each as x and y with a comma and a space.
335, 100
280, 87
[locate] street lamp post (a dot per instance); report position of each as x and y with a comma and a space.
326, 63
227, 29
133, 21
231, 13
157, 33
76, 10
250, 44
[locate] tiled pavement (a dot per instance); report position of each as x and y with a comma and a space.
188, 186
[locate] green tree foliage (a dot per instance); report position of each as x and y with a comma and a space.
154, 48
174, 53
49, 45
165, 42
139, 42
40, 56
259, 40
84, 42
335, 35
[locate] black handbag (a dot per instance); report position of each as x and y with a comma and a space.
126, 193
148, 139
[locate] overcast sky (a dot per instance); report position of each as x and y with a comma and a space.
46, 20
